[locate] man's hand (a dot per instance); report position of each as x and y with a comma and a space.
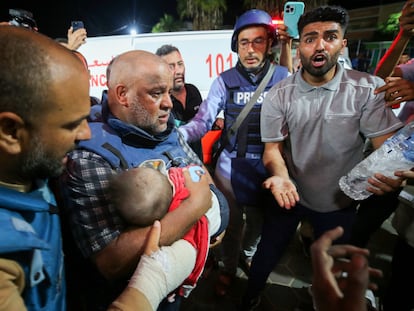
283, 190
396, 90
283, 35
76, 38
382, 184
405, 174
340, 274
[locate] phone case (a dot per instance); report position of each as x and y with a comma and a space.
291, 14
77, 25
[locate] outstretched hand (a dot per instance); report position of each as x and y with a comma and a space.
341, 274
283, 190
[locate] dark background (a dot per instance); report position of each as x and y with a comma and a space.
101, 17
109, 17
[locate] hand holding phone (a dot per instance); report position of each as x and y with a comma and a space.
291, 14
76, 35
77, 25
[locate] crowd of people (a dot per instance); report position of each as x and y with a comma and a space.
118, 212
239, 169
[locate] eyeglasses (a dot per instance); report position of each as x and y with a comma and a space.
256, 43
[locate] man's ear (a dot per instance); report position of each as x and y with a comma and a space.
270, 50
344, 44
11, 127
121, 94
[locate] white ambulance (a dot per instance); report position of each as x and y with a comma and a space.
206, 54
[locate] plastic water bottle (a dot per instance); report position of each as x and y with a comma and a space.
395, 154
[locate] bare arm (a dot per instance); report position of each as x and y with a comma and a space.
388, 62
286, 48
379, 140
390, 59
121, 256
279, 183
153, 278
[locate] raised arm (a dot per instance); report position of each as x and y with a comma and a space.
390, 59
286, 47
203, 121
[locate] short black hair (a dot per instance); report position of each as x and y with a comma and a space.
333, 13
166, 49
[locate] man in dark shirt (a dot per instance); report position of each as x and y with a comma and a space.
186, 97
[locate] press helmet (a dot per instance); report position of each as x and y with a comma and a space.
253, 17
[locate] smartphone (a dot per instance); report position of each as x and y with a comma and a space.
291, 14
77, 25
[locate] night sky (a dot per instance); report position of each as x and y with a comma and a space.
103, 17
110, 17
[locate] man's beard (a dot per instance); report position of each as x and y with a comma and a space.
39, 164
321, 71
255, 70
178, 86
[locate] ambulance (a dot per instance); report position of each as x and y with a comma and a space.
206, 54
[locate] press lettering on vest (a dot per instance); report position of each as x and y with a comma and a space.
242, 98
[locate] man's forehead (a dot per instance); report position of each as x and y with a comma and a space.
323, 24
253, 29
322, 27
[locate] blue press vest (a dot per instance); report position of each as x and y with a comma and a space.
134, 147
31, 235
239, 92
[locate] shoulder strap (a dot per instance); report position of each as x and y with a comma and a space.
245, 111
